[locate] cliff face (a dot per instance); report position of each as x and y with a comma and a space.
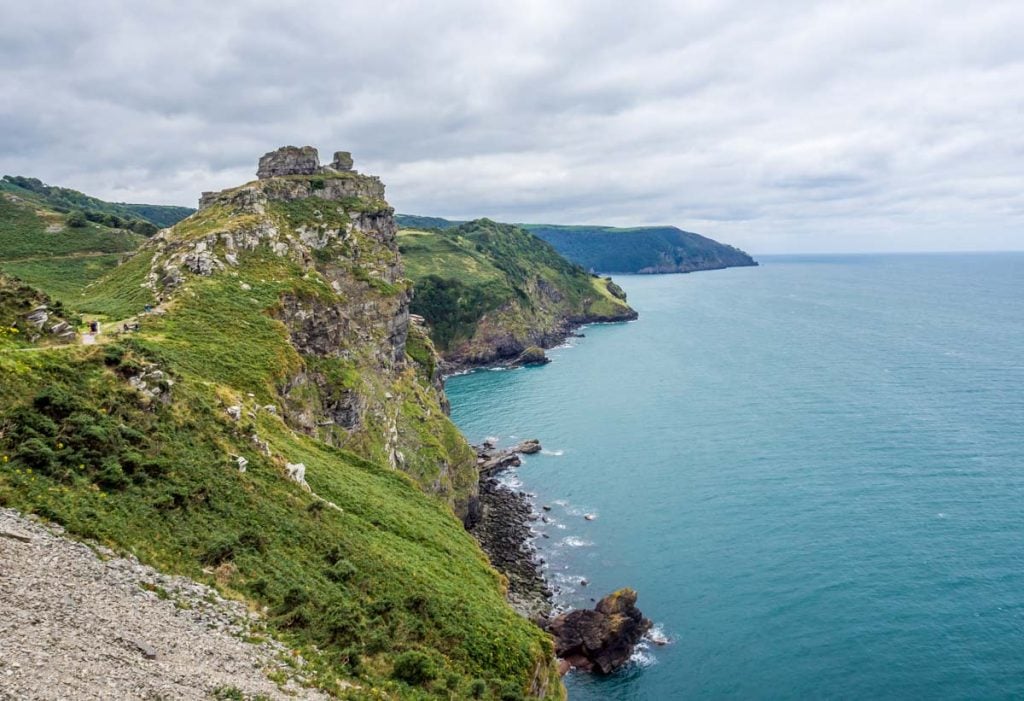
347, 318
274, 425
492, 291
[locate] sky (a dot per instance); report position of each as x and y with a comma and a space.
774, 126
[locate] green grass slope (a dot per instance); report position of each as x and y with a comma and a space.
371, 579
367, 572
491, 290
608, 249
118, 214
47, 240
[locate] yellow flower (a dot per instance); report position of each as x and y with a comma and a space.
5, 458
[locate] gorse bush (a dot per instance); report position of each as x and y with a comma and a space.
414, 667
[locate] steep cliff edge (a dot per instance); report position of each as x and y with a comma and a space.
494, 293
275, 427
314, 248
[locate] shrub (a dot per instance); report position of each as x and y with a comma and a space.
77, 219
415, 667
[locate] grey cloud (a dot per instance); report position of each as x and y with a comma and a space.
775, 126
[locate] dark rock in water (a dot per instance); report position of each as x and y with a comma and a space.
490, 460
534, 355
601, 640
528, 447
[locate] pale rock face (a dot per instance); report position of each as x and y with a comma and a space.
289, 160
297, 473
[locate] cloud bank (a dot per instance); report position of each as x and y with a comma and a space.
776, 126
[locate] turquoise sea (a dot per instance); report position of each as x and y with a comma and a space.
811, 471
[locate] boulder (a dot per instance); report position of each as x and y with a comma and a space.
289, 160
342, 161
601, 640
527, 447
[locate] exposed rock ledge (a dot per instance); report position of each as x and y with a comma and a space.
73, 625
490, 459
602, 639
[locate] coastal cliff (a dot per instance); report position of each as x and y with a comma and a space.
261, 413
495, 294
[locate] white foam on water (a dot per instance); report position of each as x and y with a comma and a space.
658, 636
556, 453
642, 655
576, 542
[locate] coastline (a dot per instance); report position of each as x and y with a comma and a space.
568, 329
505, 535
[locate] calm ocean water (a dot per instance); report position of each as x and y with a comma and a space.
812, 472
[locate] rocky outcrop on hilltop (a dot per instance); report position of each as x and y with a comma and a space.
86, 624
292, 160
348, 319
289, 160
600, 640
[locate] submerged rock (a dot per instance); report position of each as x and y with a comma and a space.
603, 639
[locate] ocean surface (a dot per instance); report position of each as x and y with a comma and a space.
811, 471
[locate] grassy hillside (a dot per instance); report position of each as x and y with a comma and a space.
63, 241
415, 221
608, 249
116, 214
491, 290
367, 571
646, 249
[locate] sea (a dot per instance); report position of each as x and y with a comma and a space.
811, 471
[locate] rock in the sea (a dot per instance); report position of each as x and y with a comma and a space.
289, 160
601, 640
534, 355
527, 447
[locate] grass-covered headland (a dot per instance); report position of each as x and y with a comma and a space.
280, 338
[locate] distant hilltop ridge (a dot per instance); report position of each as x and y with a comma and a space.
609, 249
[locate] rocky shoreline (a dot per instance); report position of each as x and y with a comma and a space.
509, 353
502, 527
600, 640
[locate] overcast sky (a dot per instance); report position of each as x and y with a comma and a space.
775, 126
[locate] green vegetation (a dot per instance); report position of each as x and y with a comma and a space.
641, 249
482, 279
70, 254
368, 573
142, 218
645, 249
415, 221
389, 574
63, 277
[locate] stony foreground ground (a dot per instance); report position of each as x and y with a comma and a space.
80, 623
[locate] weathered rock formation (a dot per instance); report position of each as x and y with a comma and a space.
601, 640
491, 459
289, 160
348, 321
